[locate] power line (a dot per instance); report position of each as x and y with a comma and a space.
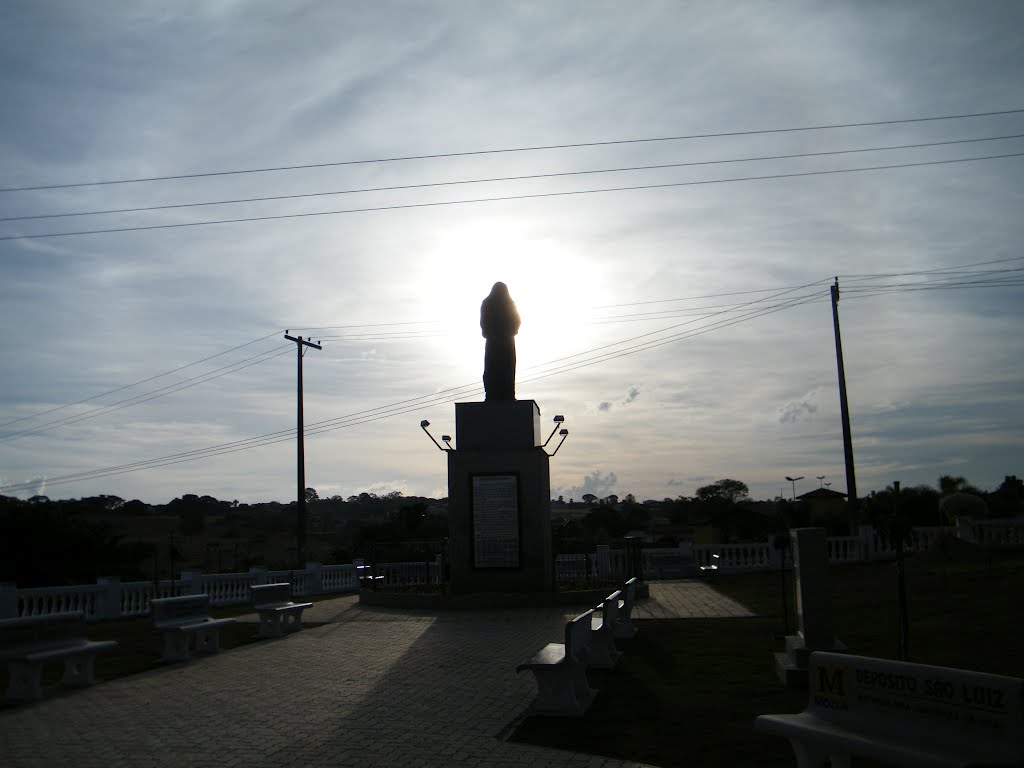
495, 179
146, 397
361, 417
508, 150
448, 395
506, 198
137, 383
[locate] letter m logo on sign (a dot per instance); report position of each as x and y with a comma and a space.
829, 685
832, 680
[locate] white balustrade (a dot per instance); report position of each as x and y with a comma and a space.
924, 538
845, 549
999, 533
339, 578
109, 598
42, 601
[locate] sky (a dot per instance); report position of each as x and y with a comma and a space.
678, 316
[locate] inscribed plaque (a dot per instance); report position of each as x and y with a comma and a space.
495, 521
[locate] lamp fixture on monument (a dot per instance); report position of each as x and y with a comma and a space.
423, 425
564, 433
558, 422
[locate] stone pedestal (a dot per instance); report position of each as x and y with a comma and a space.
499, 500
816, 631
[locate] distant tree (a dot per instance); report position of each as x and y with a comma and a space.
951, 484
134, 507
588, 498
1008, 499
727, 490
312, 495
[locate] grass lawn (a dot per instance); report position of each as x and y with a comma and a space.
687, 691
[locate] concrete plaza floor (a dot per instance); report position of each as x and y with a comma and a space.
371, 687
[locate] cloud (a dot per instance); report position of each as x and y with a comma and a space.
795, 410
596, 483
631, 394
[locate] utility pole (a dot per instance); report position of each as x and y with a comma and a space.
844, 407
300, 511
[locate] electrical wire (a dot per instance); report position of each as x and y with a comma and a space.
495, 179
137, 383
454, 393
507, 198
146, 397
508, 150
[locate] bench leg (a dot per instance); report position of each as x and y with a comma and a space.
25, 680
625, 629
175, 647
78, 670
809, 757
562, 691
207, 640
603, 654
270, 624
292, 621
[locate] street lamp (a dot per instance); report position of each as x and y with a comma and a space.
793, 481
821, 480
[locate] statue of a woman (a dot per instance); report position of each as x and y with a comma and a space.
499, 323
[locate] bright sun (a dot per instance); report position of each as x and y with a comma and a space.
550, 284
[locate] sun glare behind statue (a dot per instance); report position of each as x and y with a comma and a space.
550, 284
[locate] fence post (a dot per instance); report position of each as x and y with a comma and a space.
965, 529
8, 600
314, 578
109, 603
259, 573
193, 582
774, 554
602, 563
867, 538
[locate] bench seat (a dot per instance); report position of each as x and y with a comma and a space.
625, 629
277, 613
903, 714
27, 643
603, 654
560, 670
184, 621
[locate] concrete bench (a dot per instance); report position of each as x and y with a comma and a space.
602, 653
625, 629
278, 614
179, 619
903, 714
26, 644
561, 671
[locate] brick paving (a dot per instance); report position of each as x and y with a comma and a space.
373, 687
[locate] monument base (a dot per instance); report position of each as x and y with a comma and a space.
499, 500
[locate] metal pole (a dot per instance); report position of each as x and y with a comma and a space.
300, 503
844, 406
300, 512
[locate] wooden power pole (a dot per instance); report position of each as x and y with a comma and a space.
844, 407
300, 512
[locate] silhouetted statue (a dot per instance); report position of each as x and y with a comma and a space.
499, 323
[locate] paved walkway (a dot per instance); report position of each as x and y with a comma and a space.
373, 687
